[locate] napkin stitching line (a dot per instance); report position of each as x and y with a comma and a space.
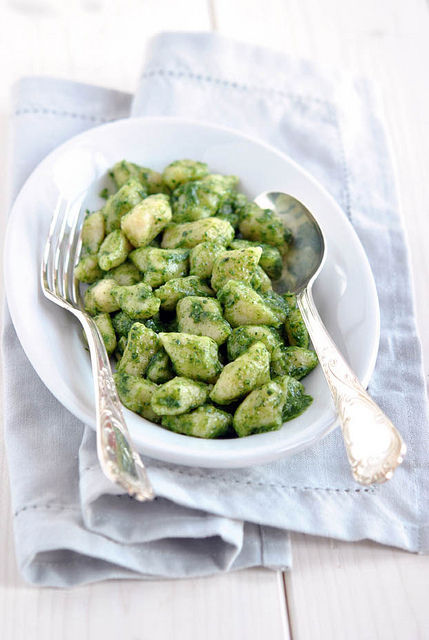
270, 484
233, 84
371, 490
58, 507
71, 114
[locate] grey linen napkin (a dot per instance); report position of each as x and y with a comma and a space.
73, 527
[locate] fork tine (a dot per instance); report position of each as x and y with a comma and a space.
64, 242
59, 252
49, 250
74, 283
73, 254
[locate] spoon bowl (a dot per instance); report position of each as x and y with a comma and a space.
305, 258
373, 444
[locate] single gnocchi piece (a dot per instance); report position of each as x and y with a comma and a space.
142, 344
243, 337
192, 201
117, 205
242, 305
189, 234
201, 198
137, 300
159, 369
276, 303
136, 393
264, 225
107, 332
250, 370
93, 232
125, 274
98, 298
176, 289
292, 361
181, 171
239, 264
202, 317
202, 258
295, 328
151, 180
114, 250
231, 207
122, 171
193, 357
271, 259
146, 220
87, 269
179, 395
296, 400
160, 265
261, 410
205, 422
260, 281
221, 184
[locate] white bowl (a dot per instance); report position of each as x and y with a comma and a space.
345, 292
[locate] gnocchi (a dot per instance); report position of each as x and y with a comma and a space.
180, 267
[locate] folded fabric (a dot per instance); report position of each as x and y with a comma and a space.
71, 525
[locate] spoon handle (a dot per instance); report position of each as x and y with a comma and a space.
374, 446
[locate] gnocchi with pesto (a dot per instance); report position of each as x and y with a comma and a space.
178, 269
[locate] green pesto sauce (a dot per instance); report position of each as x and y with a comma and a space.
237, 336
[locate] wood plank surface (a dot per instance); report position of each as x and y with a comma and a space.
361, 591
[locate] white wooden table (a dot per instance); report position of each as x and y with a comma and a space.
336, 590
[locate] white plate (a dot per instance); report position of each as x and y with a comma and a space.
344, 292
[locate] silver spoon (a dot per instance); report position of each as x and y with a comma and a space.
374, 446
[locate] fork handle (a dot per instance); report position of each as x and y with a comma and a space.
374, 446
118, 458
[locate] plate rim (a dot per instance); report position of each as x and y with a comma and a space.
207, 460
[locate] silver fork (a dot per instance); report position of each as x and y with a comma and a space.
119, 460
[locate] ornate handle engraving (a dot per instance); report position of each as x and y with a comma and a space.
118, 459
374, 446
